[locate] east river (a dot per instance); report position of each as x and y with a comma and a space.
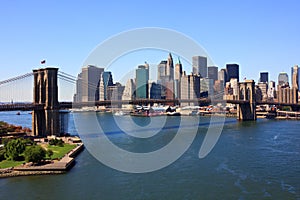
251, 160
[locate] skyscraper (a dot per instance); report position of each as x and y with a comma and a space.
129, 90
200, 66
154, 90
161, 70
264, 77
178, 70
165, 77
87, 83
190, 88
295, 77
177, 79
142, 78
283, 78
222, 76
170, 68
232, 71
212, 73
105, 81
207, 86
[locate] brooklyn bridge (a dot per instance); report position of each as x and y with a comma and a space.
45, 106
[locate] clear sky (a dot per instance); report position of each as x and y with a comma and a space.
258, 35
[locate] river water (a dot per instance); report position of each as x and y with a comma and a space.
251, 160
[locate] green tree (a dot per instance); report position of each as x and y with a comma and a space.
49, 153
2, 154
14, 148
56, 142
35, 154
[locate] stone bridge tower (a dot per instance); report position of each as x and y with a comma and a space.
246, 109
45, 117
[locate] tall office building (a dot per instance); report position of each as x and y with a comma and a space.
271, 90
154, 90
165, 77
129, 90
212, 73
232, 71
78, 96
161, 70
178, 70
170, 68
142, 78
222, 76
264, 77
114, 93
190, 88
283, 78
219, 86
295, 77
177, 79
105, 81
263, 86
200, 66
87, 83
207, 85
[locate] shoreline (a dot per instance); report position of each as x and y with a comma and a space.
55, 167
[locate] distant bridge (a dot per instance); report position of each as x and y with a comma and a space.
45, 106
69, 105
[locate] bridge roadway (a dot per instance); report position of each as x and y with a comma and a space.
69, 105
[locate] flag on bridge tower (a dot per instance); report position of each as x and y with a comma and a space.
43, 61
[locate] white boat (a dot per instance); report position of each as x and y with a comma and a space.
119, 113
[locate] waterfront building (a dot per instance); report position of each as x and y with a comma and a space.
129, 90
200, 66
114, 93
189, 88
283, 78
264, 77
263, 86
154, 90
206, 86
78, 96
105, 81
232, 71
234, 85
287, 94
271, 90
228, 92
87, 86
142, 78
219, 87
212, 73
295, 76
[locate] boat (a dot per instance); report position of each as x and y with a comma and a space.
119, 113
18, 113
173, 113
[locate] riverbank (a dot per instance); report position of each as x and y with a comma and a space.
54, 167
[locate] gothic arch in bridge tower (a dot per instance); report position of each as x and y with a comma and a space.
246, 96
45, 117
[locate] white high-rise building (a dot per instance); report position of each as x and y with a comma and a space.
129, 90
88, 83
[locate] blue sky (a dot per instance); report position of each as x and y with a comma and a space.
258, 35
